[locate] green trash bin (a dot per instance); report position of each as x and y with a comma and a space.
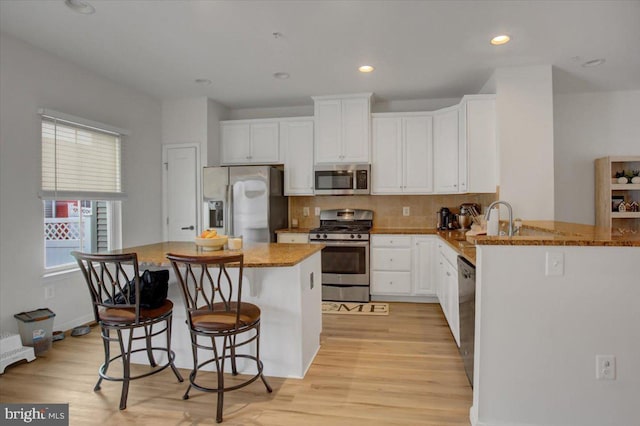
36, 329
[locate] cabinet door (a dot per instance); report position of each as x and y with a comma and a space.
264, 143
386, 165
293, 238
418, 154
235, 143
451, 285
355, 130
445, 145
480, 136
385, 282
328, 133
391, 259
424, 261
296, 142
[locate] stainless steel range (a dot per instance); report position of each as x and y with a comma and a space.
345, 259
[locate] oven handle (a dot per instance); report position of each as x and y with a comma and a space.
342, 243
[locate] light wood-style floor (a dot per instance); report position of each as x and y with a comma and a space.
401, 369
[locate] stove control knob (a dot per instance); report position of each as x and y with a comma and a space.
359, 236
352, 236
324, 236
318, 236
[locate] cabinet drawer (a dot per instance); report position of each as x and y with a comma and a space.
391, 241
293, 238
384, 282
391, 259
448, 253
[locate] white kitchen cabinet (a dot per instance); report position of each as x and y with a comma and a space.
296, 143
249, 142
342, 128
293, 237
447, 290
424, 265
390, 265
446, 150
478, 155
402, 154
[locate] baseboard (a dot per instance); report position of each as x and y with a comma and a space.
409, 299
84, 320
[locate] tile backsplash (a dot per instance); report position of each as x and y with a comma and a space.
387, 208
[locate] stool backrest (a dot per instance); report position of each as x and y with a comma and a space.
206, 283
108, 280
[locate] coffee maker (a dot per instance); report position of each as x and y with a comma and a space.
444, 218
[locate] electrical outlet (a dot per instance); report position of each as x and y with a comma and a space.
49, 292
605, 367
317, 211
305, 211
406, 211
554, 264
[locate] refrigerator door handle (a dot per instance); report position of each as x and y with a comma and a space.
230, 210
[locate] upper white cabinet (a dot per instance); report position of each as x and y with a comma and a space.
402, 154
478, 135
249, 142
296, 143
342, 128
446, 150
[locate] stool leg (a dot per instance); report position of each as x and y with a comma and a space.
170, 355
220, 368
147, 333
259, 366
234, 368
126, 370
104, 334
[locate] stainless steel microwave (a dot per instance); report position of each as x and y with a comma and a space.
342, 179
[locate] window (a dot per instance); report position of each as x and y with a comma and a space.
81, 187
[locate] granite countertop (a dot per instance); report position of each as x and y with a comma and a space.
256, 255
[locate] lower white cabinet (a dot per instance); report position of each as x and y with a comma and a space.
446, 270
391, 265
293, 237
402, 265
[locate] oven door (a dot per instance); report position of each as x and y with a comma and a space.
345, 263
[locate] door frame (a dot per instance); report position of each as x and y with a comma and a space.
165, 209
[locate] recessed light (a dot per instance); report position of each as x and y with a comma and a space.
366, 68
203, 81
80, 6
594, 62
500, 39
281, 75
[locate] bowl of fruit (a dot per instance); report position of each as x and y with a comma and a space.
210, 240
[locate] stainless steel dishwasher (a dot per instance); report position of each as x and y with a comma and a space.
467, 312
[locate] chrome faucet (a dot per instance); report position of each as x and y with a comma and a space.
495, 203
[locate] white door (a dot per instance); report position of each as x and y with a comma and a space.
418, 154
181, 204
355, 130
445, 145
296, 139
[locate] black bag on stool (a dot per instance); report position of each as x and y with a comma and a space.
154, 286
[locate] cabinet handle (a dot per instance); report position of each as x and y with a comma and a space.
448, 274
390, 282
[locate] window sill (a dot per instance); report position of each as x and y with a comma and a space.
57, 275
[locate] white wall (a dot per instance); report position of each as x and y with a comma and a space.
537, 337
30, 79
588, 126
524, 107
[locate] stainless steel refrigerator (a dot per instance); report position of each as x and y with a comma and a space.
245, 200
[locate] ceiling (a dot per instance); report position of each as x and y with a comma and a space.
420, 49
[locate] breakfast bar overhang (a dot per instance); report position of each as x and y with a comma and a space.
282, 279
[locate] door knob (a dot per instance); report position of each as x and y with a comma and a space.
190, 228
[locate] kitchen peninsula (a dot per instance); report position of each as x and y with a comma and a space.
282, 279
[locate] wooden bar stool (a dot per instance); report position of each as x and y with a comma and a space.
215, 311
108, 281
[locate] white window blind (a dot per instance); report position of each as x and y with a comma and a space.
80, 162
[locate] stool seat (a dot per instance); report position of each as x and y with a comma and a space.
218, 319
128, 315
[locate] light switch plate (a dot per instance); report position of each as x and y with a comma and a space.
406, 211
317, 211
305, 211
554, 264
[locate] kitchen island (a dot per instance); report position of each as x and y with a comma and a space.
284, 280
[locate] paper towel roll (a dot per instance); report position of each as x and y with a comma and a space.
493, 225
